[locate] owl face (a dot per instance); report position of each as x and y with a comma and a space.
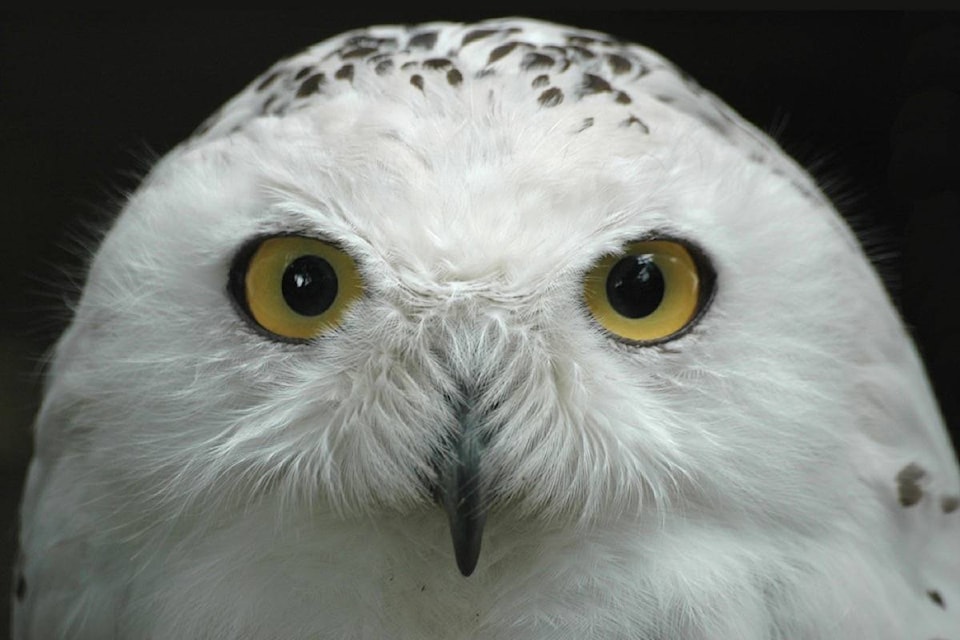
458, 297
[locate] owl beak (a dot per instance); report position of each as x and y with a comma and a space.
459, 491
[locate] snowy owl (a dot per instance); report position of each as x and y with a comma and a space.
498, 330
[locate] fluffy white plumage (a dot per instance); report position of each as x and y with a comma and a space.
777, 471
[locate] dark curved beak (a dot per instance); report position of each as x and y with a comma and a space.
459, 491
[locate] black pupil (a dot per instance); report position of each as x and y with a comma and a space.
309, 285
635, 286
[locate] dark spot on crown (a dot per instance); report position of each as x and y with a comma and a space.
436, 63
413, 64
21, 588
664, 99
454, 77
265, 107
586, 124
949, 504
417, 81
383, 67
908, 484
802, 189
635, 121
716, 124
311, 85
593, 84
303, 72
202, 129
424, 40
581, 39
369, 41
483, 73
937, 598
622, 98
476, 34
269, 80
618, 64
344, 73
359, 52
719, 108
536, 61
582, 52
502, 51
551, 97
560, 51
540, 81
755, 157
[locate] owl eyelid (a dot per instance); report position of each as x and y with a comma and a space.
311, 233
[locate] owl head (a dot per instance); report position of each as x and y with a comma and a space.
499, 273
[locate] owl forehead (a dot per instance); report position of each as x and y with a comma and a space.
471, 203
522, 64
523, 59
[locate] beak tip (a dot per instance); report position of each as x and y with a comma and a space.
467, 562
466, 532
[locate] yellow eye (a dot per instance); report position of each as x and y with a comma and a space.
649, 293
295, 287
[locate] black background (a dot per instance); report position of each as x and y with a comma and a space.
868, 101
